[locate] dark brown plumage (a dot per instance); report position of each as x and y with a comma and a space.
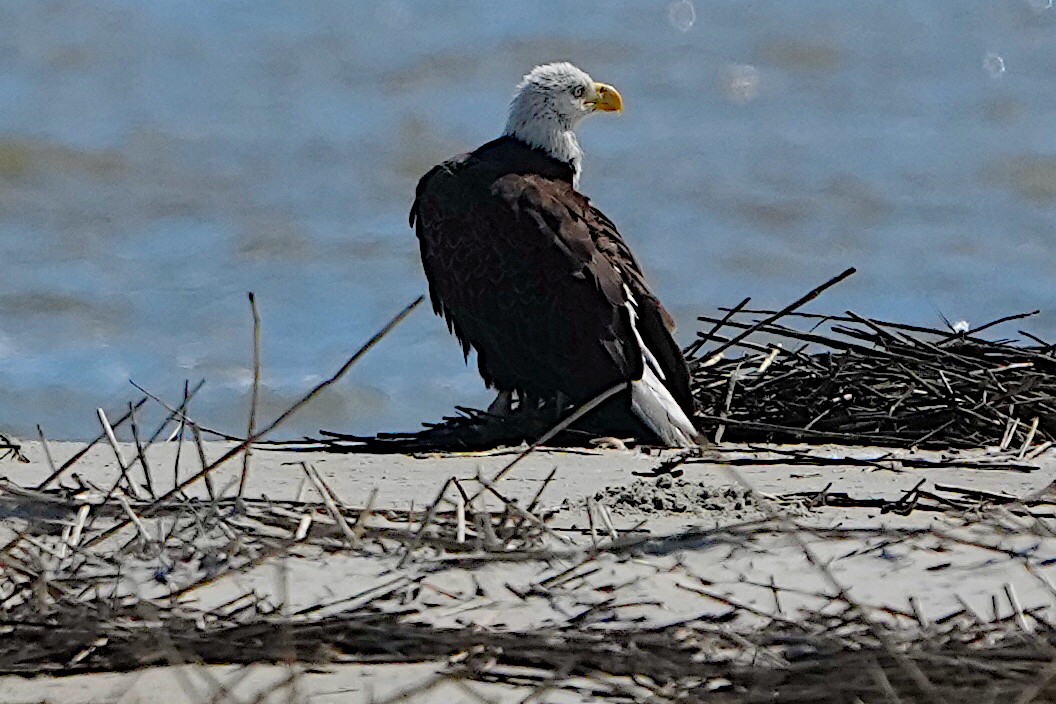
535, 279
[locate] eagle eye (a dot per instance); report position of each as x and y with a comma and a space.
578, 91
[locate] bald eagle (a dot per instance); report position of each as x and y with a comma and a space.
537, 280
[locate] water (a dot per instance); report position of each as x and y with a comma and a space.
159, 160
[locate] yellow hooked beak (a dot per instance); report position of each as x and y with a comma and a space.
608, 98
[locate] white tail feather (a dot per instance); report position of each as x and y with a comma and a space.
653, 403
658, 409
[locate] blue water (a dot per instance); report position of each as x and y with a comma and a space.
158, 160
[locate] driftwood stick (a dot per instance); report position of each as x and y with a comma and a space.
135, 519
460, 513
179, 431
590, 522
254, 395
84, 450
47, 452
546, 482
725, 413
328, 501
1030, 437
426, 522
703, 339
809, 296
203, 463
360, 524
1017, 607
188, 394
112, 439
149, 482
302, 527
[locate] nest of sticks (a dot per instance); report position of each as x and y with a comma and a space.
787, 376
854, 380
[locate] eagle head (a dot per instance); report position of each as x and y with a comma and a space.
548, 104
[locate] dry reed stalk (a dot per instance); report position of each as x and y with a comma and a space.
140, 453
328, 501
251, 425
121, 465
84, 450
47, 451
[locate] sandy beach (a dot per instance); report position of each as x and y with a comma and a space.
734, 537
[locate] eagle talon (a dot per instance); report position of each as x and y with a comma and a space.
611, 443
502, 406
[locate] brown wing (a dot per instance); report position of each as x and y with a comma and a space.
616, 250
533, 278
655, 324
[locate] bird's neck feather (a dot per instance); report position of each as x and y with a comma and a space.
554, 137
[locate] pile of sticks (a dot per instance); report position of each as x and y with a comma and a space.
788, 376
467, 429
855, 380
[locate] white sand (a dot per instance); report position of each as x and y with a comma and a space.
971, 562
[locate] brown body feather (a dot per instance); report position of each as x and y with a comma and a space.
534, 279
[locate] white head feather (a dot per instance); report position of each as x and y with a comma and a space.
548, 104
